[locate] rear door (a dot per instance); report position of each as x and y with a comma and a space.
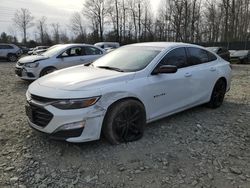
1, 50
5, 49
203, 73
90, 54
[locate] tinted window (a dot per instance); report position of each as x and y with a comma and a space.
92, 51
76, 51
211, 57
176, 57
197, 56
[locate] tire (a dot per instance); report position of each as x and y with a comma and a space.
47, 71
12, 57
124, 122
218, 94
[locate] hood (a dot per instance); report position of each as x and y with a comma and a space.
81, 78
31, 59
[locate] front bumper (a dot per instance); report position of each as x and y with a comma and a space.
92, 118
26, 73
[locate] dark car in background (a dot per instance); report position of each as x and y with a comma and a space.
240, 56
221, 51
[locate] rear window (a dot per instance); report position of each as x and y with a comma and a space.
211, 57
197, 56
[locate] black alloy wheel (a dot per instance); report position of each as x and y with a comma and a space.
218, 94
125, 122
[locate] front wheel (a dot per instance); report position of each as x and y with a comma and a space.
47, 71
218, 94
125, 122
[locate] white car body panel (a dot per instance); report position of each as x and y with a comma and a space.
161, 95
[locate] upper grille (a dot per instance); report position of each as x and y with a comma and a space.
41, 99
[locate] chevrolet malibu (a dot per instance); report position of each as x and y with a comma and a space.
56, 57
122, 91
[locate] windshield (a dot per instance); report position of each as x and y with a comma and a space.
127, 59
53, 50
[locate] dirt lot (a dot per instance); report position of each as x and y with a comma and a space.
200, 147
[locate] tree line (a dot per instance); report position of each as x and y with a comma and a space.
129, 21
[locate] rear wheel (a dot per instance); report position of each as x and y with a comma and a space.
12, 58
47, 71
125, 122
218, 94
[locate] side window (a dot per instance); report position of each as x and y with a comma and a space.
197, 56
92, 51
176, 57
211, 57
6, 47
75, 51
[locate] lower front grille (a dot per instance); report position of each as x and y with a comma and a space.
38, 115
18, 71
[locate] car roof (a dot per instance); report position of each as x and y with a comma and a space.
7, 44
164, 45
77, 44
101, 43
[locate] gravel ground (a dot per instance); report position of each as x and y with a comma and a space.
200, 147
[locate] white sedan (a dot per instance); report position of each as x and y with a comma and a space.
125, 89
56, 57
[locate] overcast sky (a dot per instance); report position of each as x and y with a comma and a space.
55, 11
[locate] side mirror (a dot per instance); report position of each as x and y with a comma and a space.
165, 69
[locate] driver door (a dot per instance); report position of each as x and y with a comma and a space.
71, 57
168, 93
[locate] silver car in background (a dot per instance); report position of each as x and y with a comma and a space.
57, 57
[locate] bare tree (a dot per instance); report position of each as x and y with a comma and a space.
41, 26
96, 10
77, 25
23, 19
56, 32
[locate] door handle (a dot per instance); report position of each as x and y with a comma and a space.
188, 74
82, 59
212, 69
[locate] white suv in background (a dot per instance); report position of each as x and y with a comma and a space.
57, 57
10, 52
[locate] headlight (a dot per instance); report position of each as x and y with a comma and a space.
75, 103
31, 65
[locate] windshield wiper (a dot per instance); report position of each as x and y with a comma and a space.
111, 68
